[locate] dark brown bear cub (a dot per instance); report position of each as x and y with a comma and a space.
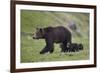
53, 35
74, 47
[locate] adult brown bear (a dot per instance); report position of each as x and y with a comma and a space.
53, 35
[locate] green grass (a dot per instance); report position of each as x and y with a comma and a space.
30, 48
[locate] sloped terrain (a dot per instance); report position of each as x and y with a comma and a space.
30, 48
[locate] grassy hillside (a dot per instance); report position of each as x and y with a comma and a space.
30, 48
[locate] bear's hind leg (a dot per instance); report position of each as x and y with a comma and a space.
63, 47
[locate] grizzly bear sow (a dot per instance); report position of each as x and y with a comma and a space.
53, 35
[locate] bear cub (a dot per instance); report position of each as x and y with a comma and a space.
74, 47
53, 35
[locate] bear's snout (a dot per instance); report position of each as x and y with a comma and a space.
34, 36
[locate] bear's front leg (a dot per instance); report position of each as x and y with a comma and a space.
44, 50
49, 46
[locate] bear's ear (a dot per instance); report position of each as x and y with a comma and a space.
42, 31
37, 28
